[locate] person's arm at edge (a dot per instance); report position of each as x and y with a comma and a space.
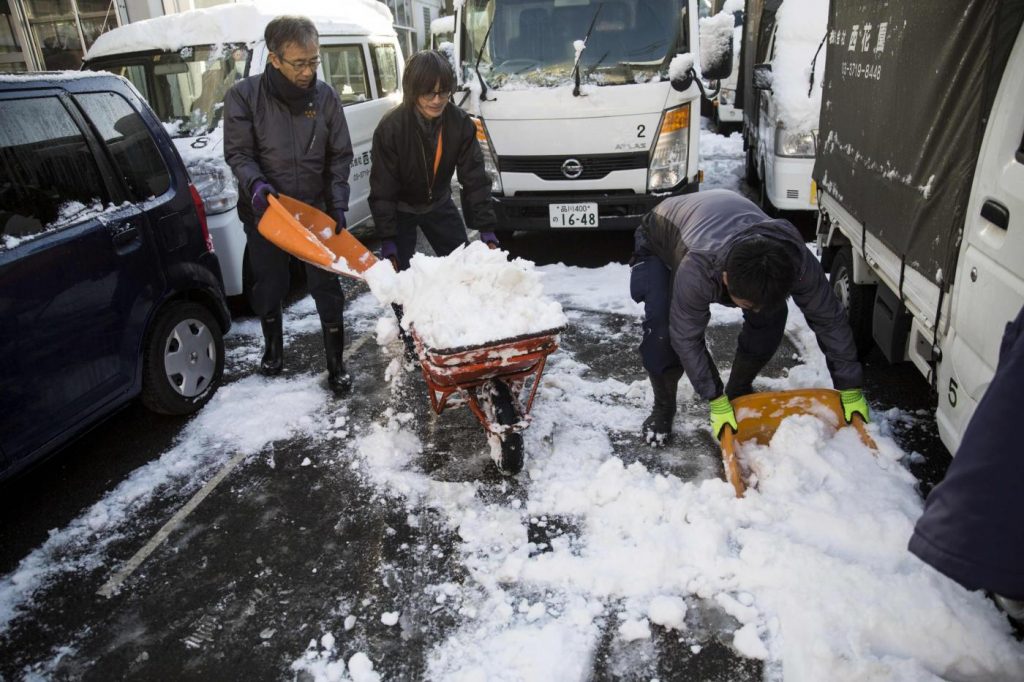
689, 315
240, 142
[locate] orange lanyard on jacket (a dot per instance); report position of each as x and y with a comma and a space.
437, 154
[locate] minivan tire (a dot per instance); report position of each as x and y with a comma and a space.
183, 359
858, 300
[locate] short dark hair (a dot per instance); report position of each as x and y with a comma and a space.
760, 270
290, 29
423, 71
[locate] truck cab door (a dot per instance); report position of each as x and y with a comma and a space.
989, 286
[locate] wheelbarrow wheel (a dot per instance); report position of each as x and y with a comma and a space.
510, 459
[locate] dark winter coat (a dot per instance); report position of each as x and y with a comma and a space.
972, 529
693, 234
403, 169
305, 156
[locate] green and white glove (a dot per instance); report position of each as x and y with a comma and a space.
854, 402
721, 415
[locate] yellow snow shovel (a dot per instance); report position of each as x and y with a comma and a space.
308, 234
758, 415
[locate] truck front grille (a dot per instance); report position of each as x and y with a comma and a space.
594, 167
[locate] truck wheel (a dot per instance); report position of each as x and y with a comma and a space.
509, 456
183, 359
764, 201
750, 169
857, 299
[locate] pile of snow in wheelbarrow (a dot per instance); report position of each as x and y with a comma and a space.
812, 565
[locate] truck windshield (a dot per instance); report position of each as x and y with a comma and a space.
532, 41
185, 88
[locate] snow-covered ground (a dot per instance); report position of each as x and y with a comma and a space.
810, 568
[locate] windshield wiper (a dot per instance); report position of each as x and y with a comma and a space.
576, 66
479, 56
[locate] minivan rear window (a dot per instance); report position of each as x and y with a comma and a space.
135, 154
48, 176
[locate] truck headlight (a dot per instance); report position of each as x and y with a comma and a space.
668, 161
216, 185
798, 144
490, 159
726, 96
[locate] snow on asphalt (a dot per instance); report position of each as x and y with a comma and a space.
811, 566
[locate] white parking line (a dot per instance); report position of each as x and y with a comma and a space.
112, 585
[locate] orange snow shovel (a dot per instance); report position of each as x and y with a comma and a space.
308, 234
758, 415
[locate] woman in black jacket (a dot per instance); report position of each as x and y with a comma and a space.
417, 148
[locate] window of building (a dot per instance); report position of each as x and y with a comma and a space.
12, 51
48, 176
131, 145
63, 29
385, 62
345, 70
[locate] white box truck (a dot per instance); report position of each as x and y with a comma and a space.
183, 64
593, 147
921, 177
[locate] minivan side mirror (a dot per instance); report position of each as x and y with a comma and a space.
763, 77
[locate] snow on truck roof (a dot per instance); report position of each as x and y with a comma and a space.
241, 23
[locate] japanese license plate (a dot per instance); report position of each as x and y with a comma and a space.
573, 215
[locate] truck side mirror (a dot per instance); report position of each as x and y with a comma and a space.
763, 77
716, 46
682, 83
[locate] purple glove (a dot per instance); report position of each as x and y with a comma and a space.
339, 218
490, 239
259, 196
388, 249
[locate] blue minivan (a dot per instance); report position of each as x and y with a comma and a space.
109, 287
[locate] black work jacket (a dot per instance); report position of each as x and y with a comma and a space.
403, 169
306, 156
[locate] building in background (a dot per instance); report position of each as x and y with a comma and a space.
47, 35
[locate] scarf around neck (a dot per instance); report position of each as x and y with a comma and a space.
298, 100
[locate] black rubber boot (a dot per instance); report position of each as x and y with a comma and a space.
741, 376
273, 344
658, 426
338, 379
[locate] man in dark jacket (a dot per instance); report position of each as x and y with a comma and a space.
284, 131
718, 247
972, 529
417, 147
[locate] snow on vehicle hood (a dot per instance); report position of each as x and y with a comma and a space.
241, 23
546, 104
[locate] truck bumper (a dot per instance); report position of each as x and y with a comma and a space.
229, 244
616, 211
790, 188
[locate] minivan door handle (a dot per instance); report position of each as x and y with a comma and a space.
123, 234
996, 213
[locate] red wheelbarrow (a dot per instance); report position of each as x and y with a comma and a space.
491, 378
758, 415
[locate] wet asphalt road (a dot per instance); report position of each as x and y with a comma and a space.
274, 554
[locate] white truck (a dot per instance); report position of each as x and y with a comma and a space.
921, 177
183, 64
585, 137
780, 119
